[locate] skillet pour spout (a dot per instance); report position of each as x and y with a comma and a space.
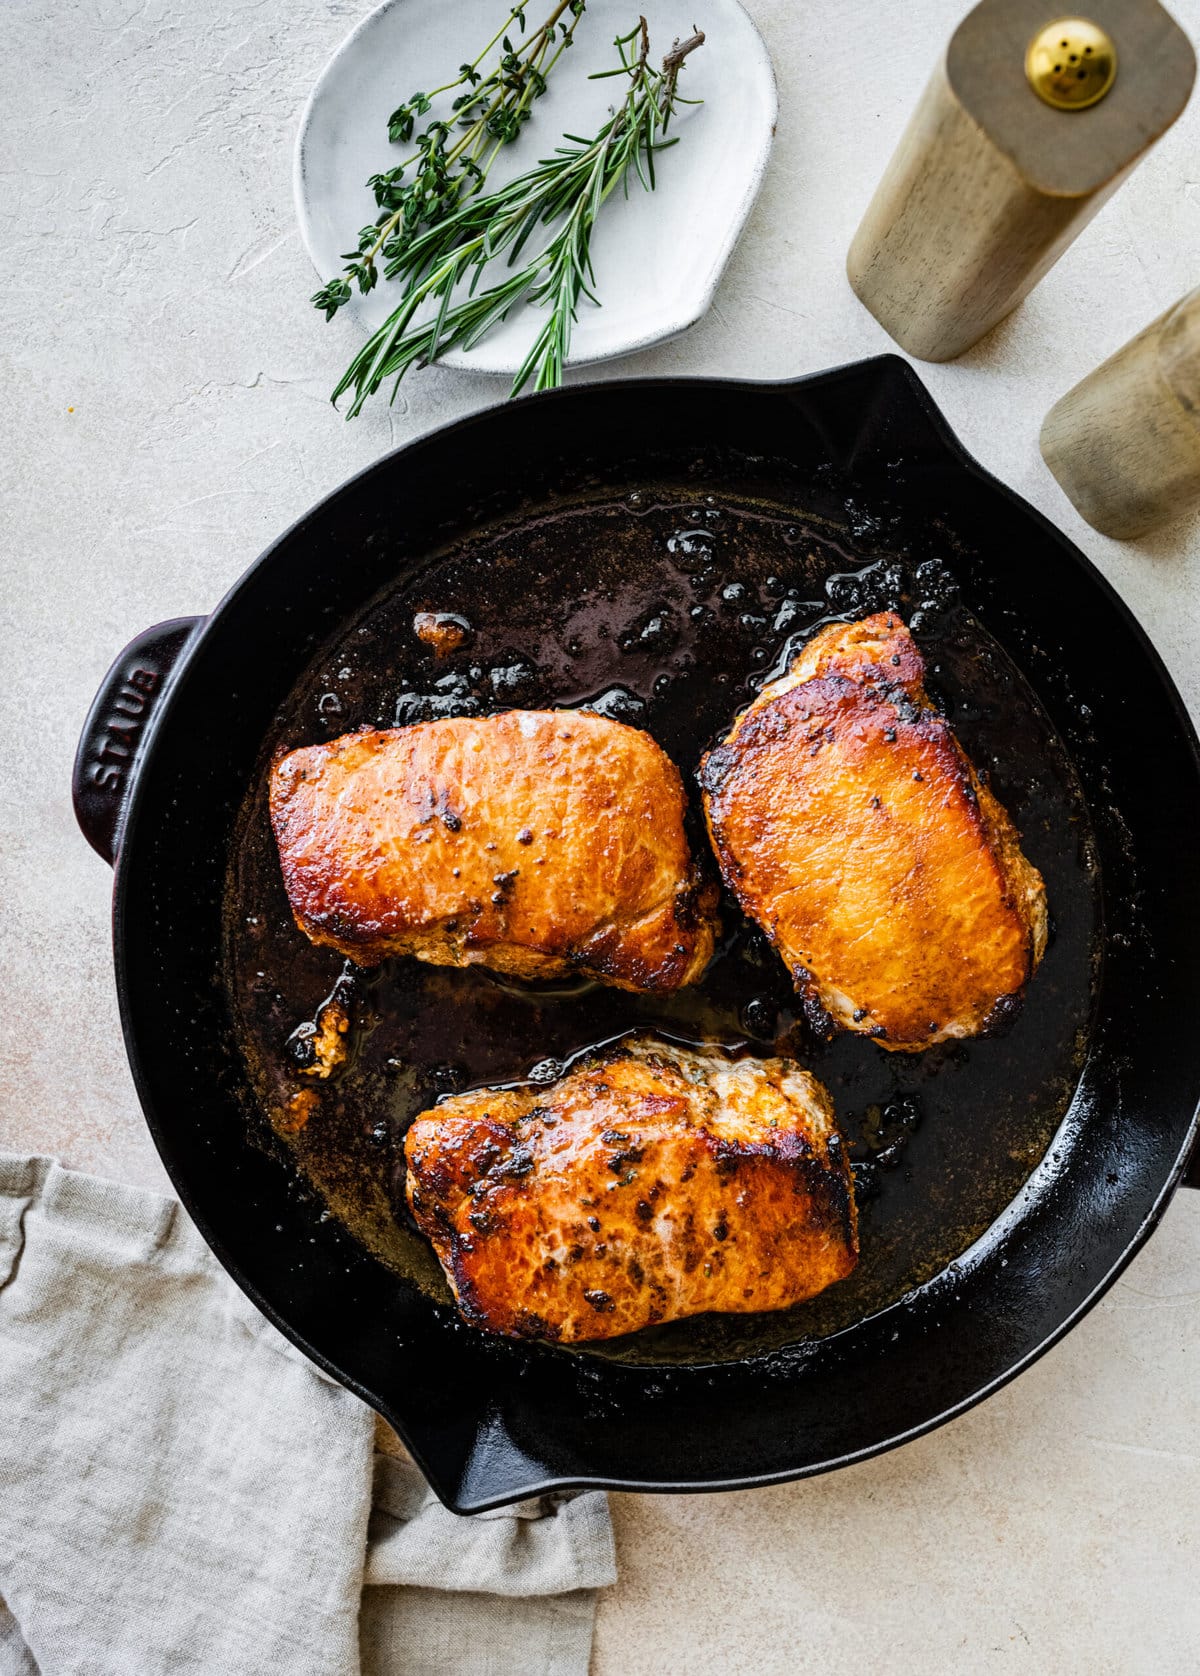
174, 743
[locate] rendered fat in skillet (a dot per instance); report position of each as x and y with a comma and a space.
647, 1185
537, 843
419, 1032
851, 825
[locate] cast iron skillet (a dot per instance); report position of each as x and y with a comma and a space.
168, 752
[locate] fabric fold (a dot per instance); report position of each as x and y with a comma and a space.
542, 1548
182, 1491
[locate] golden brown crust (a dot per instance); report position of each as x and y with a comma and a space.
538, 843
656, 1184
442, 630
850, 824
329, 1042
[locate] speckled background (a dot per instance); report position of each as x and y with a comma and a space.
164, 415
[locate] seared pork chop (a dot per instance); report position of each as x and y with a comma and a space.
850, 824
538, 843
654, 1184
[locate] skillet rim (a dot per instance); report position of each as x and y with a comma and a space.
886, 365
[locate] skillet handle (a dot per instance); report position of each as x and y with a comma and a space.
106, 760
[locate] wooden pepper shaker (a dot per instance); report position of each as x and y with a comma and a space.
1030, 123
1125, 442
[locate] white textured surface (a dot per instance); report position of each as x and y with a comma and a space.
155, 283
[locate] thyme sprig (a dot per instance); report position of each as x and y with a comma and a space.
446, 167
567, 189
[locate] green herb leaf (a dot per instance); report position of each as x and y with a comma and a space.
455, 235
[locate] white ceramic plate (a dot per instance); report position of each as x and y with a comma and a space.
658, 255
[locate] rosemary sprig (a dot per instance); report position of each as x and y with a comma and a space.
443, 169
569, 189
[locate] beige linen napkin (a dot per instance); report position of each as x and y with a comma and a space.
182, 1491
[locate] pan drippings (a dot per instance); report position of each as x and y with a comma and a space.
667, 611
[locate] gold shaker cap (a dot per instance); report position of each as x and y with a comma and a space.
1071, 63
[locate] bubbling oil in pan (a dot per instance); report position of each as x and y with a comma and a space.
668, 612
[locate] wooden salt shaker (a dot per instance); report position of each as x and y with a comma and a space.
1125, 442
1030, 123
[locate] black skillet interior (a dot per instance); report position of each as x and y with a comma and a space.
674, 604
491, 1421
